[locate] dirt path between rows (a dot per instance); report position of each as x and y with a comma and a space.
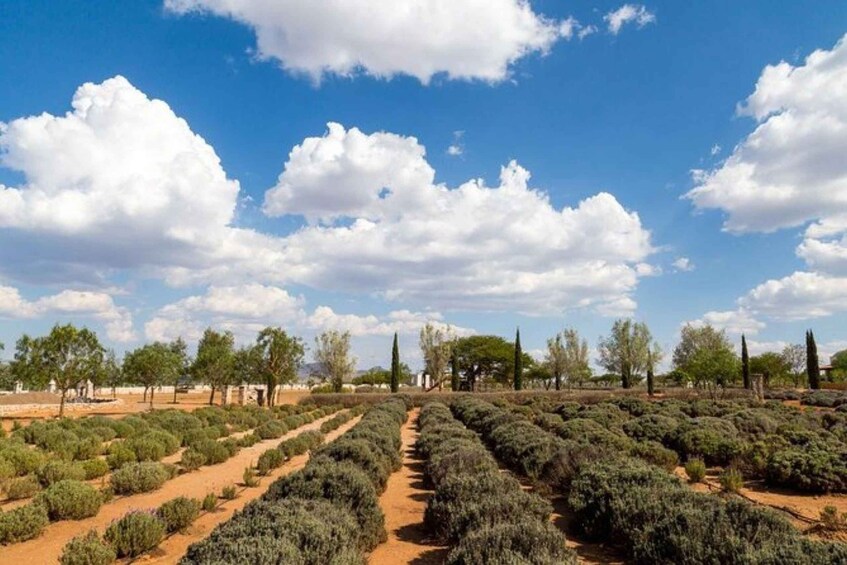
47, 547
403, 503
172, 549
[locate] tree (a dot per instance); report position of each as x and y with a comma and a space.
180, 348
577, 369
839, 360
626, 350
540, 372
332, 353
110, 374
375, 376
455, 381
214, 363
794, 358
67, 356
152, 365
487, 357
770, 365
436, 345
812, 367
706, 356
556, 358
518, 363
745, 363
280, 357
395, 365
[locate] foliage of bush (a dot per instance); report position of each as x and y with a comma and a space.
213, 451
336, 422
656, 454
711, 438
70, 500
135, 478
179, 513
135, 533
731, 480
301, 443
119, 455
539, 543
192, 459
272, 430
87, 549
56, 470
94, 468
269, 460
810, 468
21, 487
210, 501
695, 469
22, 523
286, 531
651, 427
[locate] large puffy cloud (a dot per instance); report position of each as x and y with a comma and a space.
118, 182
70, 303
246, 309
799, 296
472, 247
791, 169
465, 39
739, 321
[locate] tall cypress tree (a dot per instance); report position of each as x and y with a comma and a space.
745, 363
395, 365
812, 367
454, 371
518, 361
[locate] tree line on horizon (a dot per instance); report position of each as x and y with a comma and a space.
68, 356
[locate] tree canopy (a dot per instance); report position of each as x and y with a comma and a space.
278, 357
706, 356
332, 353
214, 363
152, 365
628, 350
487, 357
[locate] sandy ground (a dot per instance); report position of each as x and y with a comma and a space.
173, 548
130, 404
403, 503
48, 547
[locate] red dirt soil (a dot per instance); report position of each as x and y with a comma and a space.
47, 547
403, 503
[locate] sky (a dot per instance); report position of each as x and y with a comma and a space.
169, 165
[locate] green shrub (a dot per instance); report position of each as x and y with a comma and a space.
24, 459
22, 523
210, 501
249, 478
464, 503
810, 468
539, 543
272, 429
286, 531
192, 459
119, 455
731, 480
229, 492
57, 470
695, 468
651, 427
94, 468
145, 448
656, 454
270, 459
87, 549
135, 533
21, 487
364, 455
70, 500
179, 513
213, 451
135, 478
346, 485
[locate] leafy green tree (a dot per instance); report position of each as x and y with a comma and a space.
518, 362
770, 365
67, 356
180, 348
556, 360
332, 353
395, 365
455, 380
839, 360
745, 363
626, 350
281, 356
110, 373
794, 357
540, 373
706, 355
152, 365
812, 366
375, 376
486, 357
436, 345
214, 363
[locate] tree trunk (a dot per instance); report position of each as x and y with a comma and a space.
152, 390
145, 395
558, 382
175, 385
62, 403
114, 393
650, 382
212, 396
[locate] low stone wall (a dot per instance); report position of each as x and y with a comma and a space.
7, 409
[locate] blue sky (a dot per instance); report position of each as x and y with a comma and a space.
646, 96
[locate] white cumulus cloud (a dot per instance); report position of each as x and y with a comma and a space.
799, 296
739, 321
463, 39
